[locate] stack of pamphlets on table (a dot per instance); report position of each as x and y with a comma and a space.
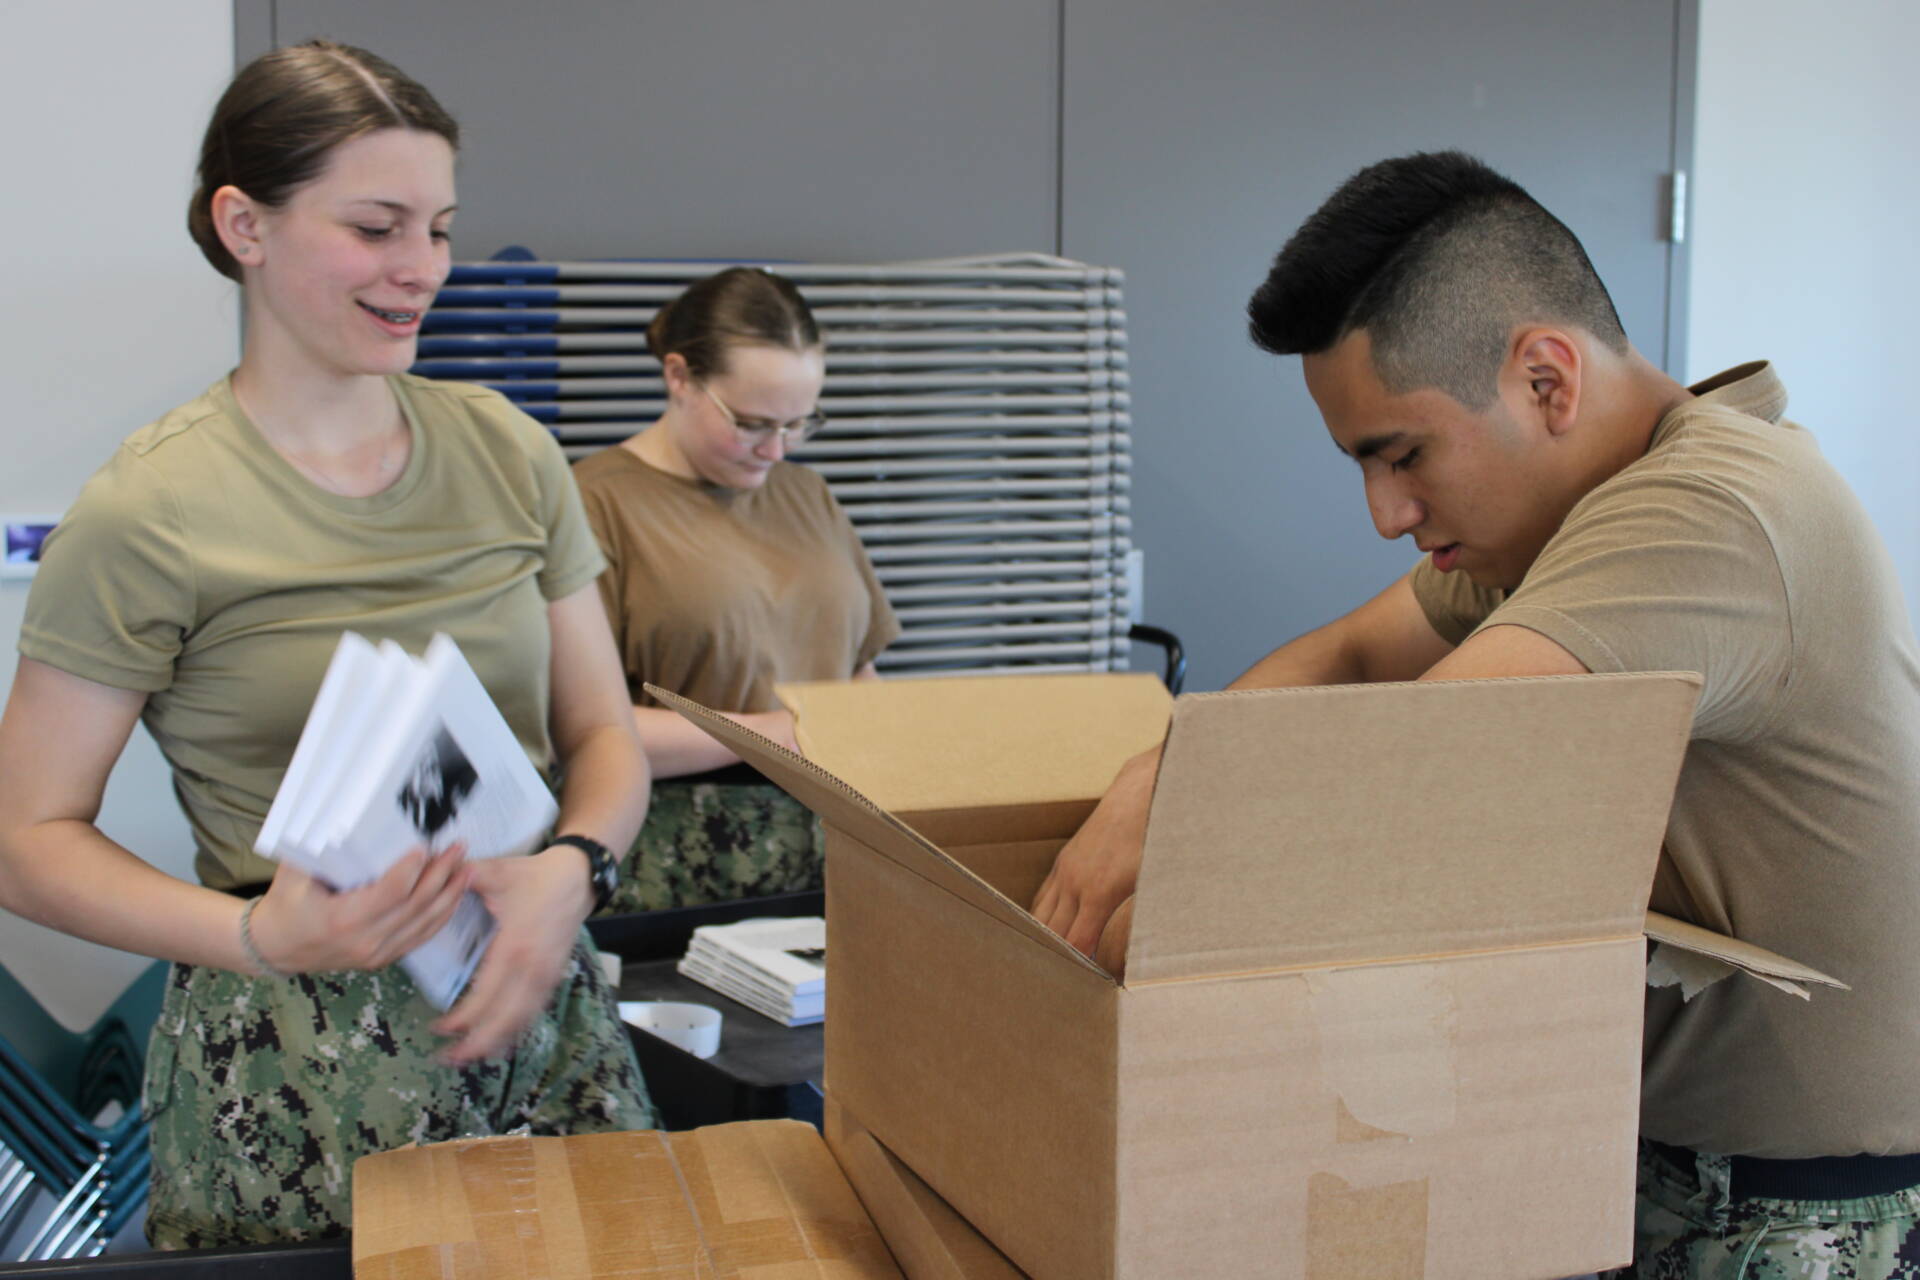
402, 753
776, 967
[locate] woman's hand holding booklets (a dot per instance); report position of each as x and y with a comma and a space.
402, 753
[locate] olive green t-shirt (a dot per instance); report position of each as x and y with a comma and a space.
717, 593
1733, 549
200, 567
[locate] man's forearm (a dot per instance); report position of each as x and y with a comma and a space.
1387, 638
1318, 657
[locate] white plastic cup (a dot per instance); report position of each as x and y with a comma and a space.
693, 1027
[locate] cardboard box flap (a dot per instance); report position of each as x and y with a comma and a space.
1312, 827
1727, 954
928, 1237
842, 806
944, 743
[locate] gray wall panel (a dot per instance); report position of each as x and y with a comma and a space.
1193, 137
252, 28
1196, 137
836, 129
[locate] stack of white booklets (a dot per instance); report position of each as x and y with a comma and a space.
402, 753
777, 967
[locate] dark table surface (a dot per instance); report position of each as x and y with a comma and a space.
762, 1070
755, 1050
325, 1260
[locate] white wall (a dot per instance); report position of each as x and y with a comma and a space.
1805, 225
111, 317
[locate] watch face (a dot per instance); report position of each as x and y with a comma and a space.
603, 873
606, 876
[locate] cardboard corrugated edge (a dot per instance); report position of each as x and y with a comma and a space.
1729, 954
838, 803
929, 1239
551, 1207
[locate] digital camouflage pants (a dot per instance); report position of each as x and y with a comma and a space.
262, 1092
1688, 1227
713, 842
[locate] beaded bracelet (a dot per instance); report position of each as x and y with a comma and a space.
252, 948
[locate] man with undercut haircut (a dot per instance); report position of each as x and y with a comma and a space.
1582, 511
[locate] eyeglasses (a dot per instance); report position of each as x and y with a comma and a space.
755, 434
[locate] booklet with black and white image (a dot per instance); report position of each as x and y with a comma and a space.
398, 754
775, 966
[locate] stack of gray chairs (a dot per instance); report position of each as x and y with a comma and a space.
977, 433
73, 1141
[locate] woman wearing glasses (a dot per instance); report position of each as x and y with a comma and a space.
731, 569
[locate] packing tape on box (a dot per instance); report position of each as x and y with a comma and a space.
1411, 1092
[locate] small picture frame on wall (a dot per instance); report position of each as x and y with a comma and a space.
21, 538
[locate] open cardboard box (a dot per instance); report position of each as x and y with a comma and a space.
1383, 1001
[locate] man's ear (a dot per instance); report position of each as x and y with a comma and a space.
1544, 372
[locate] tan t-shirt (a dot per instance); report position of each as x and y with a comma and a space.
199, 566
1733, 549
719, 593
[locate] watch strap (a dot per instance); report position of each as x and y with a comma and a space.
602, 872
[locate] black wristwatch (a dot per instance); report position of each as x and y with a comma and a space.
603, 873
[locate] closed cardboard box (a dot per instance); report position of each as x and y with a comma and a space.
761, 1200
